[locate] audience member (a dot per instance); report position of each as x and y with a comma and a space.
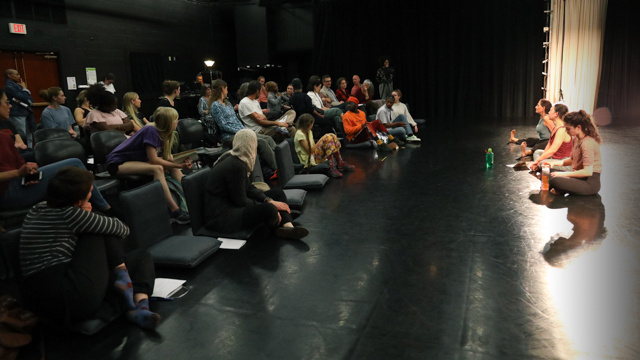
131, 104
67, 272
83, 109
332, 114
358, 130
251, 114
543, 128
240, 94
171, 89
327, 93
233, 203
106, 115
107, 82
138, 155
263, 97
21, 113
401, 109
326, 149
384, 76
7, 127
560, 142
398, 126
56, 116
203, 103
276, 102
302, 104
287, 95
342, 94
224, 116
585, 160
368, 90
356, 90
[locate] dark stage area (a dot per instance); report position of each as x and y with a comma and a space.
425, 255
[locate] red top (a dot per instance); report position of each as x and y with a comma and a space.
565, 149
342, 95
10, 158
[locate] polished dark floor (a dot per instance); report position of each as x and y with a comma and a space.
425, 255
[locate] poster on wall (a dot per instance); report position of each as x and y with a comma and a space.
92, 76
71, 83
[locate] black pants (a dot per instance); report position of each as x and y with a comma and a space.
256, 215
534, 144
325, 125
83, 288
576, 186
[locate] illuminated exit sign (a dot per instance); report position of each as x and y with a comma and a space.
18, 28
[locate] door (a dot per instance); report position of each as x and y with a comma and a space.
38, 69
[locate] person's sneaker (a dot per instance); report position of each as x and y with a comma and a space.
282, 130
397, 141
274, 176
180, 216
334, 173
293, 233
413, 138
345, 167
380, 146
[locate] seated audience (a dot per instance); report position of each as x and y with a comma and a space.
67, 272
263, 98
106, 115
233, 203
543, 128
327, 93
7, 127
326, 149
240, 94
302, 104
342, 94
224, 116
203, 103
83, 109
585, 160
276, 103
138, 155
560, 142
401, 109
398, 126
332, 114
131, 104
287, 95
56, 116
171, 89
251, 114
107, 83
368, 90
358, 130
356, 90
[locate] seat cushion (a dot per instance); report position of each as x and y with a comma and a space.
362, 145
183, 251
106, 184
242, 234
295, 197
307, 181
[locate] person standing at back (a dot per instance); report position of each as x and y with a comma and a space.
108, 81
22, 103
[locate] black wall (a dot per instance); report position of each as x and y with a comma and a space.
101, 34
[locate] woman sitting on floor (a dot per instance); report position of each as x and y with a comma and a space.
131, 106
327, 148
106, 115
56, 116
585, 160
138, 155
559, 146
67, 271
543, 128
334, 115
358, 130
233, 203
401, 109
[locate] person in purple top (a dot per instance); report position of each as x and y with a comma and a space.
138, 155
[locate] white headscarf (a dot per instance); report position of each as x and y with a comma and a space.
245, 144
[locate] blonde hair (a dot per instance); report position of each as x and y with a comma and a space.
129, 109
82, 97
163, 119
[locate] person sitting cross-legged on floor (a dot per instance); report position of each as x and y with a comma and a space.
398, 126
358, 130
233, 203
73, 262
401, 109
326, 149
560, 143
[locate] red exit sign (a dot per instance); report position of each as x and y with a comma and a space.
18, 28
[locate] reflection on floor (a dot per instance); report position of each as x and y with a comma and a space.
425, 255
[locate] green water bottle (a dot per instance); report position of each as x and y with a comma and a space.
489, 158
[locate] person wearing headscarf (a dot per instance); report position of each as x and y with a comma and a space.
233, 203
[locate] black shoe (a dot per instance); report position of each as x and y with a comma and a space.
180, 216
293, 233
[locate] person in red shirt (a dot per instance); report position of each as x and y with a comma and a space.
356, 90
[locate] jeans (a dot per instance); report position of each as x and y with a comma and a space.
25, 124
401, 133
18, 196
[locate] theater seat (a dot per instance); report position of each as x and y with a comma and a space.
286, 173
295, 197
50, 134
146, 212
322, 168
102, 143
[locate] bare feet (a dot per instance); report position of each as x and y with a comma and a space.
523, 149
513, 136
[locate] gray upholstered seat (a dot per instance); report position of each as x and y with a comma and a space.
295, 197
322, 168
286, 174
146, 211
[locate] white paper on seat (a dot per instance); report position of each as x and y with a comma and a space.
164, 288
233, 244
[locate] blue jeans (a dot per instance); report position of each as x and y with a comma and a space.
27, 125
19, 197
401, 133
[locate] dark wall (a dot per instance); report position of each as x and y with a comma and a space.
101, 34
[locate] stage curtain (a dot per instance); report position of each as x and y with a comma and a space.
147, 73
453, 59
574, 64
620, 77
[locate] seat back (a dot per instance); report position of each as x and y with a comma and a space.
10, 255
51, 151
51, 134
294, 154
145, 209
191, 132
256, 174
103, 142
193, 186
285, 163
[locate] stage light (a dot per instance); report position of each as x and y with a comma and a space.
209, 63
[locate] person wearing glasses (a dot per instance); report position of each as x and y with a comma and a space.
327, 94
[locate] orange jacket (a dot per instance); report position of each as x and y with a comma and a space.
352, 123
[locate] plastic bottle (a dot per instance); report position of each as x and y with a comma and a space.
546, 170
489, 158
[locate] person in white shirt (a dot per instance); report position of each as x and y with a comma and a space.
333, 114
107, 82
327, 93
396, 125
401, 109
251, 115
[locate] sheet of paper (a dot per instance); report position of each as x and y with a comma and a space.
163, 287
512, 165
92, 76
233, 244
71, 83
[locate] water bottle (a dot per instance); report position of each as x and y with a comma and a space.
546, 170
489, 158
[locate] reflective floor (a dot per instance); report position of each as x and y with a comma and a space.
425, 255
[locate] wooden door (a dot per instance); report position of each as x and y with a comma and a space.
39, 71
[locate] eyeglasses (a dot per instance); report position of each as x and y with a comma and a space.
8, 102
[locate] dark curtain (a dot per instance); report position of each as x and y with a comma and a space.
147, 74
458, 59
620, 77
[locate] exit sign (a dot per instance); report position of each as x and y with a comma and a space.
18, 28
